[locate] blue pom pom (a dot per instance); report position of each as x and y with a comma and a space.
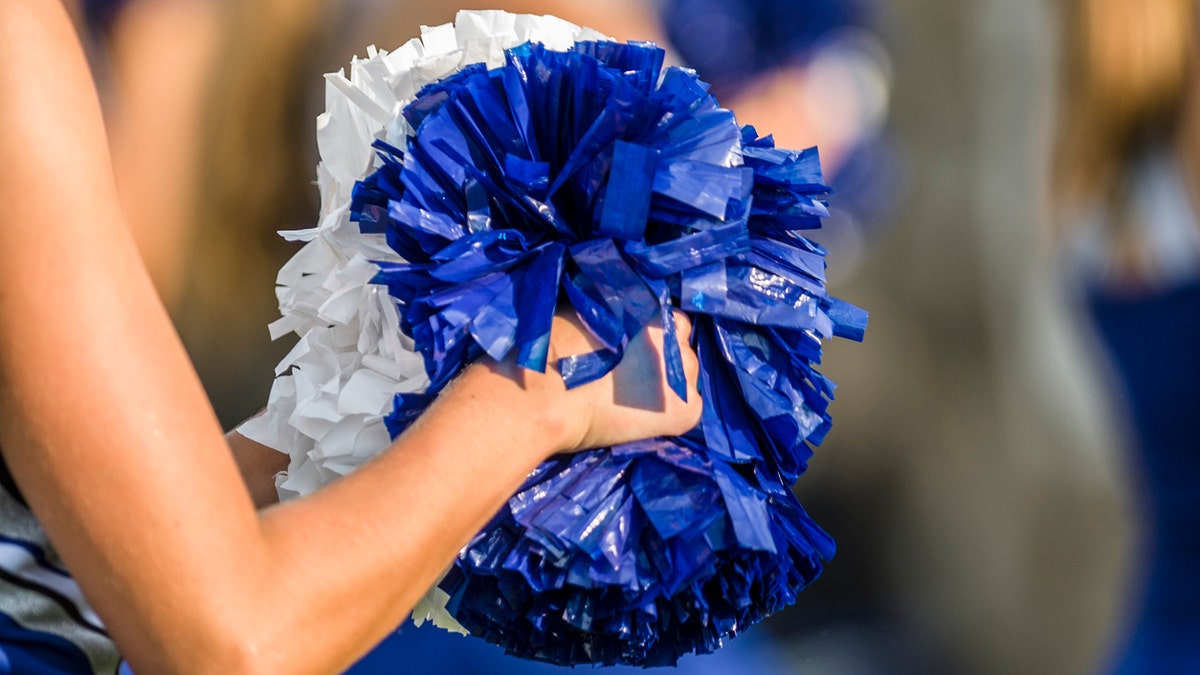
591, 177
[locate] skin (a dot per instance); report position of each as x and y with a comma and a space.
108, 433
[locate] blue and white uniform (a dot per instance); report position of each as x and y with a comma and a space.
46, 626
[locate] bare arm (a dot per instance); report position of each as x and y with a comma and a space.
105, 427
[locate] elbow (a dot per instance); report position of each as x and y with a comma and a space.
266, 655
239, 657
222, 646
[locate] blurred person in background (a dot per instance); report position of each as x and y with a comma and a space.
1126, 191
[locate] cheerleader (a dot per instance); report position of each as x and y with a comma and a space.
110, 441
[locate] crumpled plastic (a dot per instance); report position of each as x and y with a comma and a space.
473, 181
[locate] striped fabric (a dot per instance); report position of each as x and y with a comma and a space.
46, 626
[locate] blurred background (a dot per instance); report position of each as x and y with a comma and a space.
984, 477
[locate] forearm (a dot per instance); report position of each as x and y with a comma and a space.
325, 578
441, 482
182, 577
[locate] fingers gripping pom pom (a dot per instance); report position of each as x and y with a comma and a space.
521, 162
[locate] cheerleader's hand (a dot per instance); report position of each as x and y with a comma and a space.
630, 403
634, 401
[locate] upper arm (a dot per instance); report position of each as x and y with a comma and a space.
102, 421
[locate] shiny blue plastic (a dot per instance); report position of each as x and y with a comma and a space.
595, 179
